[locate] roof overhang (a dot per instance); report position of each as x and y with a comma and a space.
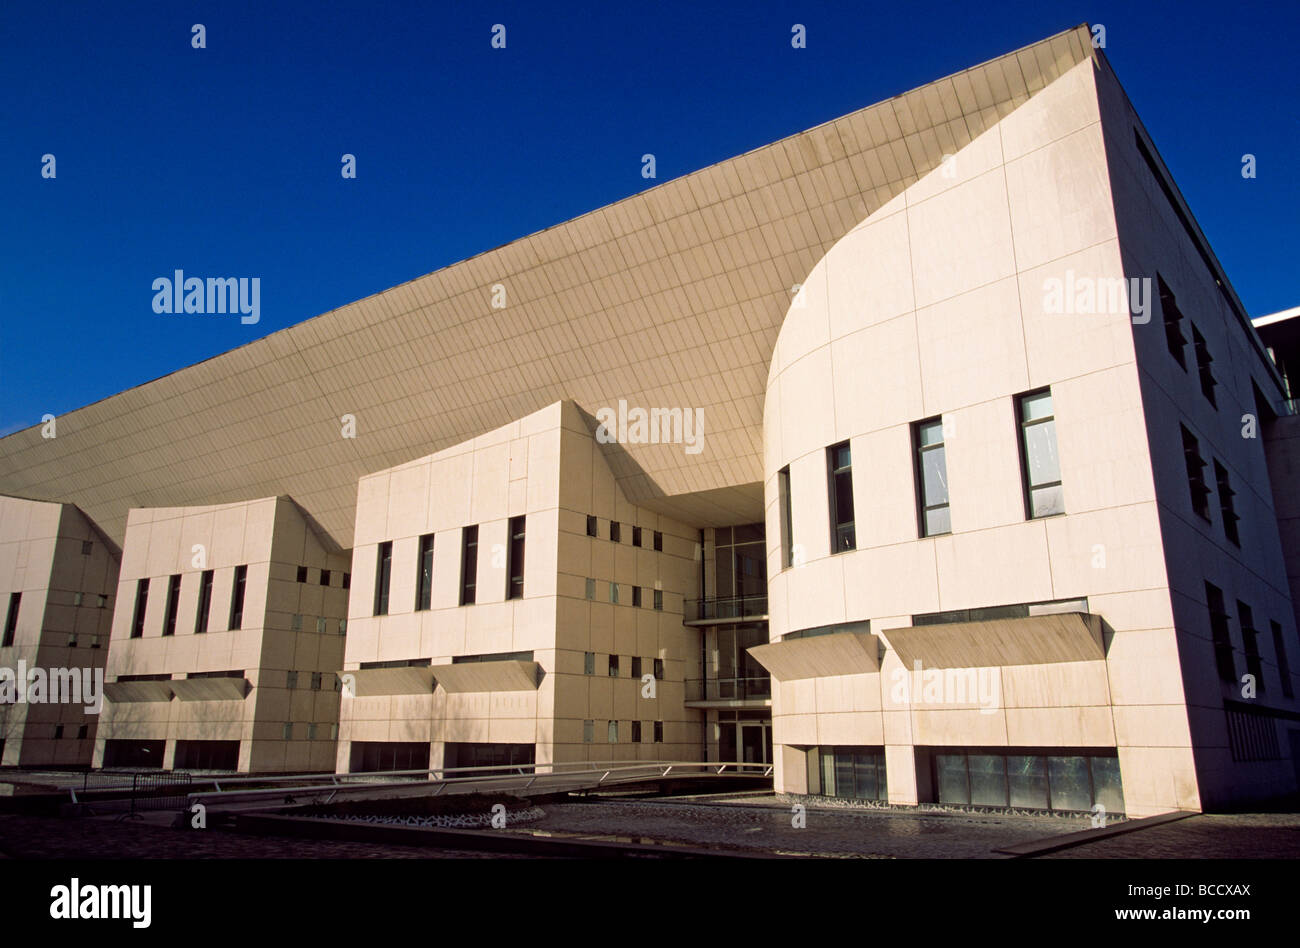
126, 692
375, 682
1031, 640
487, 676
820, 656
211, 689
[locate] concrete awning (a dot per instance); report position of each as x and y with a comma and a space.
820, 656
211, 689
125, 692
487, 676
403, 680
1032, 640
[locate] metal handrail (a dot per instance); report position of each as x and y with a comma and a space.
722, 608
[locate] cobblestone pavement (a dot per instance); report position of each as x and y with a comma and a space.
843, 833
1207, 836
33, 837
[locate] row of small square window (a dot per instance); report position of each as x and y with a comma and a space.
616, 533
313, 731
325, 577
317, 681
611, 732
83, 732
589, 666
322, 625
657, 601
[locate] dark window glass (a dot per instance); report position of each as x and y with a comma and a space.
1070, 783
1196, 474
613, 666
347, 580
1027, 782
237, 598
1227, 508
1250, 641
1219, 633
469, 565
659, 669
787, 523
591, 526
11, 619
988, 779
636, 536
1283, 665
1203, 362
141, 600
931, 478
636, 596
840, 464
950, 770
615, 531
1040, 468
515, 566
636, 666
324, 577
302, 574
659, 732
1173, 318
205, 602
173, 600
383, 576
636, 732
659, 599
659, 541
424, 574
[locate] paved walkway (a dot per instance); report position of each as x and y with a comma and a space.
1205, 836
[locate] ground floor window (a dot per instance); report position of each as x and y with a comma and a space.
371, 756
487, 755
206, 755
120, 753
1038, 779
855, 773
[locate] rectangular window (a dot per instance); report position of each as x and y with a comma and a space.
636, 732
659, 542
613, 666
316, 680
173, 600
324, 577
1203, 361
840, 463
636, 536
1226, 507
424, 574
931, 477
469, 565
58, 731
613, 593
1196, 474
295, 624
320, 625
588, 731
1219, 633
636, 596
141, 600
659, 669
659, 732
86, 547
787, 523
302, 574
659, 599
589, 663
591, 589
591, 526
1040, 467
636, 666
237, 598
1250, 640
291, 680
311, 731
347, 580
1283, 665
205, 603
615, 531
83, 732
515, 564
383, 576
613, 732
288, 730
1173, 318
11, 619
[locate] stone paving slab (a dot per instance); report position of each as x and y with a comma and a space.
1204, 836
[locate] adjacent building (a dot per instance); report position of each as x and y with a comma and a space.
925, 456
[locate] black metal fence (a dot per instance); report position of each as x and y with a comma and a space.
159, 790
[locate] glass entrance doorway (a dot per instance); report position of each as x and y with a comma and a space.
746, 740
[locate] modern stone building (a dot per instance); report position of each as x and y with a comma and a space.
985, 500
58, 583
226, 640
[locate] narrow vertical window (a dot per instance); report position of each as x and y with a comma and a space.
613, 593
205, 603
1226, 507
615, 531
613, 732
840, 463
588, 729
237, 598
931, 477
591, 526
659, 732
141, 602
1283, 665
302, 574
591, 589
1250, 641
636, 536
1223, 659
324, 577
787, 521
1203, 362
636, 732
659, 599
1196, 474
515, 556
589, 663
173, 600
659, 669
636, 666
1173, 318
383, 576
636, 596
424, 575
11, 619
469, 565
659, 542
1040, 467
613, 666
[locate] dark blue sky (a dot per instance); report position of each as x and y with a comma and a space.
225, 161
